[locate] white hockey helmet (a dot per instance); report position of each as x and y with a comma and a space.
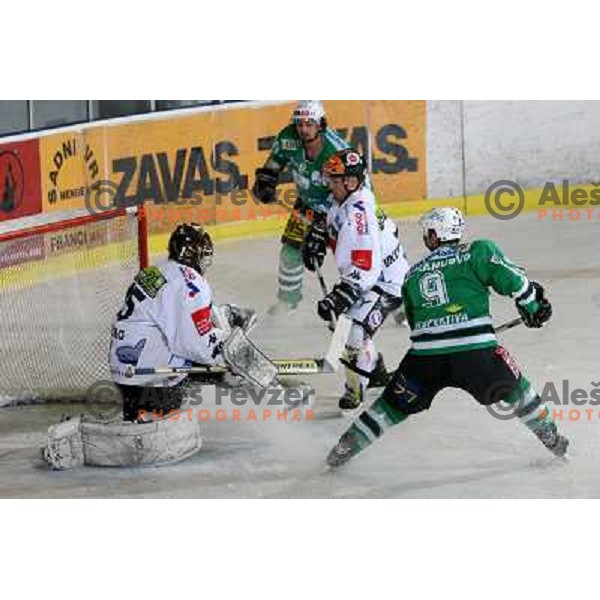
447, 223
309, 110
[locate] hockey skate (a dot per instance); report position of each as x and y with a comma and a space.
554, 441
349, 401
349, 445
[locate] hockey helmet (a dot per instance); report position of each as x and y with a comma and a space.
447, 223
345, 163
309, 110
192, 246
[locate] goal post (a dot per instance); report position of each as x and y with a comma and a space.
62, 280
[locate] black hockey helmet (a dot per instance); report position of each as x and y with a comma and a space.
192, 246
346, 163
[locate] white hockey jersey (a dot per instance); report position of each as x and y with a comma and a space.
166, 320
367, 250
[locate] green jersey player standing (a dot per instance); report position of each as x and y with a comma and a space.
453, 343
304, 146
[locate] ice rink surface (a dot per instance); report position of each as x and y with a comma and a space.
455, 450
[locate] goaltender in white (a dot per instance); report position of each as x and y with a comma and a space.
167, 319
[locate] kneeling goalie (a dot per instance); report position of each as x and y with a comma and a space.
168, 318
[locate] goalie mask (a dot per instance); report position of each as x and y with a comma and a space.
448, 224
190, 245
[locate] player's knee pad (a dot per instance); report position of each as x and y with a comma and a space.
357, 337
405, 395
360, 360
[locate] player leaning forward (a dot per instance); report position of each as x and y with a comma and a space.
168, 319
446, 297
371, 263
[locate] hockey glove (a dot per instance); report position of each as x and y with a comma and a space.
314, 248
265, 185
245, 318
339, 300
536, 312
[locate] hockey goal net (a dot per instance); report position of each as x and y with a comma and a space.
62, 280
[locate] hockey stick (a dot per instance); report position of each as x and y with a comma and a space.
340, 328
509, 325
287, 366
321, 280
332, 322
292, 366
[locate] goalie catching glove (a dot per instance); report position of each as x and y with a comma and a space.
314, 248
265, 185
339, 300
229, 316
533, 306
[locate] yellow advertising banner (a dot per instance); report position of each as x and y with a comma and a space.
202, 164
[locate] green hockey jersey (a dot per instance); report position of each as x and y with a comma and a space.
288, 151
447, 296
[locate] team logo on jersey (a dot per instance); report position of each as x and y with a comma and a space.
453, 308
193, 290
360, 219
290, 145
130, 355
361, 224
202, 320
189, 275
363, 259
375, 319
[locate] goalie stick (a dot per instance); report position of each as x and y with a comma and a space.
283, 366
291, 366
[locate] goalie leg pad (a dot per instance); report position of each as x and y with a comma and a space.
64, 445
161, 442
